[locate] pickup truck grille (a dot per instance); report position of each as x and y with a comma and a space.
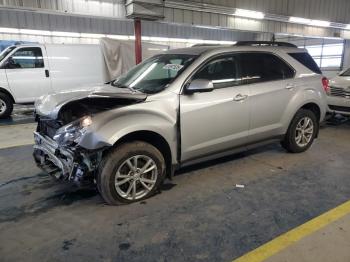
338, 91
48, 127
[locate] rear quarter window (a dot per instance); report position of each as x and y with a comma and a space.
306, 60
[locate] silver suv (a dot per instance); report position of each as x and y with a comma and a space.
178, 108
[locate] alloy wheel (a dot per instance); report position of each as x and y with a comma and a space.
3, 106
304, 131
136, 177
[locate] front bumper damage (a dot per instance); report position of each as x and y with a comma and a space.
72, 164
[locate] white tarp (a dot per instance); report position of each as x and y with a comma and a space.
119, 55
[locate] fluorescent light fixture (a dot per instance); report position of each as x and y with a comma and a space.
119, 37
92, 35
34, 32
65, 34
159, 39
320, 23
249, 13
227, 42
195, 41
299, 20
9, 30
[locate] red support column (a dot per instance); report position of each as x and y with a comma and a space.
138, 46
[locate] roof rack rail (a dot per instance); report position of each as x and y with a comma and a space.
264, 43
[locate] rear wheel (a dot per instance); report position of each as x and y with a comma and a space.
131, 172
6, 105
301, 132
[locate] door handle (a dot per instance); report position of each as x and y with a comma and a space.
240, 97
47, 73
290, 86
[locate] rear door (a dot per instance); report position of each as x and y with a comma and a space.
215, 121
26, 74
271, 83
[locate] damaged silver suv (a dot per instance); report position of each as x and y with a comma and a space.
180, 108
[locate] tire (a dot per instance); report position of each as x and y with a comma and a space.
115, 167
296, 140
6, 106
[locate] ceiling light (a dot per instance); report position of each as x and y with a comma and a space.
34, 32
320, 23
119, 37
299, 20
65, 34
347, 27
92, 35
249, 13
9, 30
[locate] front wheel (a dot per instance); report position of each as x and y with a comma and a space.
6, 106
301, 132
131, 172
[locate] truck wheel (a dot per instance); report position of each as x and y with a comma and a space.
131, 172
6, 106
301, 132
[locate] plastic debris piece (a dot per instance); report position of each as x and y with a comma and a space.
239, 186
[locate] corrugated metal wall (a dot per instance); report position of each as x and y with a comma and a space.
99, 25
113, 8
332, 10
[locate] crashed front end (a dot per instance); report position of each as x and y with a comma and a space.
58, 153
66, 144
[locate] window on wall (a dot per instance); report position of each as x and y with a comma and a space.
327, 55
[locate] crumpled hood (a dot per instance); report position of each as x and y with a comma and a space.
107, 95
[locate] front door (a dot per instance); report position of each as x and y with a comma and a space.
215, 121
26, 75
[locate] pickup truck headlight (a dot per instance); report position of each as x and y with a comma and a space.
73, 132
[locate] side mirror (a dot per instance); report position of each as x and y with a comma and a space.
200, 85
8, 64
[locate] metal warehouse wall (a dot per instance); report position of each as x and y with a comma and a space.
332, 10
113, 8
100, 25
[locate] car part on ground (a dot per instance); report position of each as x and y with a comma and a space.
176, 109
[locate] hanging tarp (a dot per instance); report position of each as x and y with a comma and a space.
119, 55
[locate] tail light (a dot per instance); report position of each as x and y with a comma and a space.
325, 84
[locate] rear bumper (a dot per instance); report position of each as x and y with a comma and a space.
64, 163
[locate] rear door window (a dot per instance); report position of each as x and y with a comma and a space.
262, 67
306, 59
223, 71
27, 57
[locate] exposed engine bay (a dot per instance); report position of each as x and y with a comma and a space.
57, 150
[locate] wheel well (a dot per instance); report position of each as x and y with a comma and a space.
2, 90
314, 108
154, 139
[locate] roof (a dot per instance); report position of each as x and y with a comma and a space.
198, 50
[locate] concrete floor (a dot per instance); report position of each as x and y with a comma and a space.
200, 216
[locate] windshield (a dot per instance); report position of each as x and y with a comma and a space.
5, 52
155, 74
346, 73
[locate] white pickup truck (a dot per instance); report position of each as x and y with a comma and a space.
33, 70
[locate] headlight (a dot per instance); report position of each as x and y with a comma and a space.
72, 132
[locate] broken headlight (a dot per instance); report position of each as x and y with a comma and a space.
73, 132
